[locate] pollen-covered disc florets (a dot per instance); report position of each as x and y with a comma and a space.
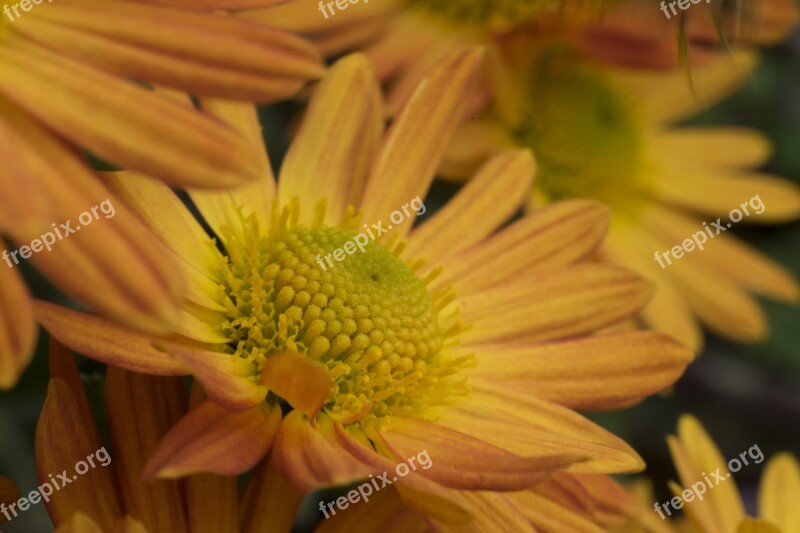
369, 319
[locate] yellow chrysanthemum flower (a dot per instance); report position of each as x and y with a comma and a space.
65, 71
609, 135
340, 369
721, 509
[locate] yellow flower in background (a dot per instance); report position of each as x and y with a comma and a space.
65, 71
336, 371
609, 135
719, 509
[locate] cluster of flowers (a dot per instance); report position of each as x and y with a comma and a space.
479, 335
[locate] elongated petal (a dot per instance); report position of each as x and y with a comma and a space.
525, 425
320, 164
214, 440
488, 200
465, 462
598, 373
106, 342
547, 515
559, 303
230, 381
211, 501
65, 434
140, 410
422, 128
779, 491
492, 511
552, 236
269, 501
161, 138
79, 523
165, 45
17, 326
128, 525
311, 457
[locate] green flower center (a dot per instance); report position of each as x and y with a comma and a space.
368, 318
586, 141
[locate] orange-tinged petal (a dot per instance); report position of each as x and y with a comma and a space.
553, 236
558, 303
193, 150
17, 326
598, 373
384, 511
106, 342
347, 102
492, 511
547, 515
779, 491
140, 409
211, 502
304, 383
528, 426
465, 462
422, 128
488, 200
474, 142
269, 501
65, 434
312, 457
230, 381
213, 440
164, 45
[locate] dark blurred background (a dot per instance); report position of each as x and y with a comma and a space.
744, 395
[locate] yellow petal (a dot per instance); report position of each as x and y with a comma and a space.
17, 326
597, 373
230, 381
550, 237
140, 410
162, 138
492, 511
65, 434
473, 143
751, 525
558, 303
413, 148
547, 515
304, 383
107, 342
725, 146
462, 461
312, 457
214, 440
165, 45
269, 501
488, 200
779, 491
338, 139
79, 523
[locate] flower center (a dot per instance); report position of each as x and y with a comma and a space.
586, 140
368, 318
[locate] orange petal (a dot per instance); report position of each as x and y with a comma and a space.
79, 523
559, 303
269, 501
547, 515
129, 525
423, 129
465, 462
312, 457
162, 138
385, 511
553, 236
344, 158
17, 327
140, 410
301, 381
229, 380
111, 344
65, 434
212, 439
597, 373
488, 200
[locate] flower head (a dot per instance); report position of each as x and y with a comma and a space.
339, 371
